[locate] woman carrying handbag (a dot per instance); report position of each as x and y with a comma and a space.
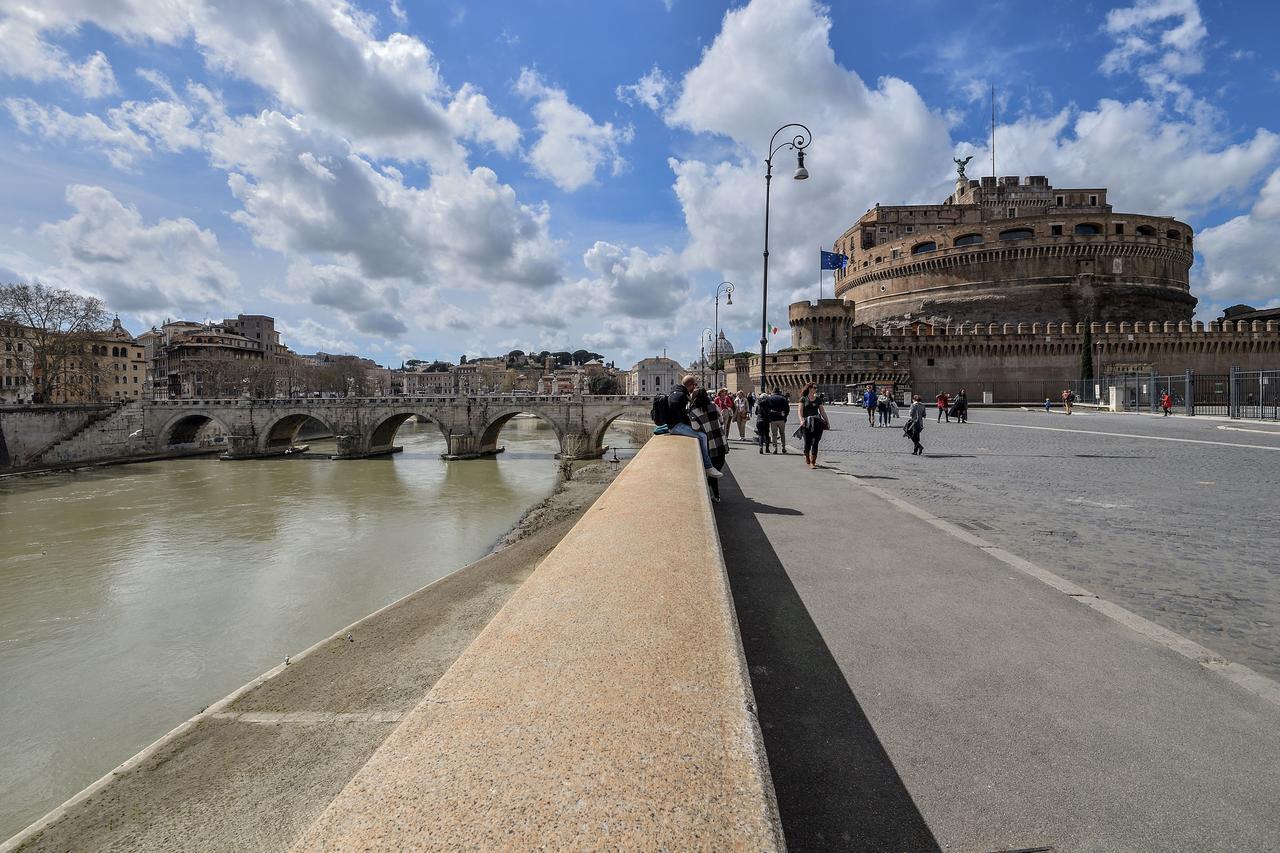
813, 422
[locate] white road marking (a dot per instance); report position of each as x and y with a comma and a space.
1251, 680
1131, 435
1258, 431
1098, 504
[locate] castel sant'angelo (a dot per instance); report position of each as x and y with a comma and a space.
999, 288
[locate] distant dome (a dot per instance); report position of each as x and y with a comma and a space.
723, 348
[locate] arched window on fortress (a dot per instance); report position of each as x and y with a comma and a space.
1088, 229
1017, 234
1146, 231
1173, 234
921, 248
968, 240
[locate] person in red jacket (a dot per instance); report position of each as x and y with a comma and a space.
944, 407
1166, 403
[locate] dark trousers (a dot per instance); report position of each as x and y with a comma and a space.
811, 439
717, 462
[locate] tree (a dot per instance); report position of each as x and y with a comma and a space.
603, 385
580, 357
1086, 354
55, 326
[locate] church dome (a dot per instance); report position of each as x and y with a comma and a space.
723, 348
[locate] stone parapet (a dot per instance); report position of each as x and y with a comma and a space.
606, 706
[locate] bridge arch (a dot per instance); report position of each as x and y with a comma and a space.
602, 427
186, 428
282, 433
384, 432
492, 429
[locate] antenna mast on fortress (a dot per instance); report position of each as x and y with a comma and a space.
993, 130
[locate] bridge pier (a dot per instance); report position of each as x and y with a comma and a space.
246, 447
468, 445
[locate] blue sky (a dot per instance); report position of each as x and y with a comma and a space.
429, 179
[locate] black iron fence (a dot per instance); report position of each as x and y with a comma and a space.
1251, 394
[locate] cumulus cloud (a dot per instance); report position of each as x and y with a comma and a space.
1151, 161
740, 93
1239, 255
172, 266
572, 145
121, 144
651, 90
320, 57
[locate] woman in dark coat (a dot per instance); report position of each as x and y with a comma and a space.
704, 416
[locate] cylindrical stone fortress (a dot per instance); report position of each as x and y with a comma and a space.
1012, 252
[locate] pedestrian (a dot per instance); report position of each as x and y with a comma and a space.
915, 425
960, 407
869, 403
1048, 404
778, 409
751, 402
944, 407
724, 402
704, 416
762, 423
1166, 403
741, 412
813, 422
678, 421
882, 407
1067, 399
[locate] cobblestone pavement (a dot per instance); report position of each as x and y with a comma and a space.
1185, 532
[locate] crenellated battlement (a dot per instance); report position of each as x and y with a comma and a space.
1164, 329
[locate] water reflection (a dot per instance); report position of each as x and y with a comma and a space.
131, 597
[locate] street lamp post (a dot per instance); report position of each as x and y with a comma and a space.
702, 344
799, 142
725, 287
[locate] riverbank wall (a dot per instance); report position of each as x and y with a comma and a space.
650, 657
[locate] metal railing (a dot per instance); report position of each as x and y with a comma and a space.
1244, 394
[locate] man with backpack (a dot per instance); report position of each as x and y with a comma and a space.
672, 412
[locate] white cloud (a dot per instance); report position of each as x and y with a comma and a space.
572, 145
1239, 256
634, 283
1150, 161
121, 144
310, 336
1162, 40
105, 247
650, 90
740, 92
23, 53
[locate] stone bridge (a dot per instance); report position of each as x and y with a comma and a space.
366, 426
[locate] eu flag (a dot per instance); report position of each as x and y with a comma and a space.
833, 260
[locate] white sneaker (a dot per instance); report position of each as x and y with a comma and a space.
713, 474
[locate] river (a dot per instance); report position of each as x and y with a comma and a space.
131, 597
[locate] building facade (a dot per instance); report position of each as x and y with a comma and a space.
652, 376
1012, 251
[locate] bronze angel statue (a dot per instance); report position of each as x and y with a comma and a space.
960, 164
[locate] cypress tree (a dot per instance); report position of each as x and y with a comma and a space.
1086, 356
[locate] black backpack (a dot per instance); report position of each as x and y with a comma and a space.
658, 411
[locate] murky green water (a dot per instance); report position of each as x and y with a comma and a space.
131, 597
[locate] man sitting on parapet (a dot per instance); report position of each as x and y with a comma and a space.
678, 420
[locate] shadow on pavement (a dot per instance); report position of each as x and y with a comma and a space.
836, 787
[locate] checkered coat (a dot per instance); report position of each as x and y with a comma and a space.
708, 421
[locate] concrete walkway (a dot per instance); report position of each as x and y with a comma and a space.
916, 693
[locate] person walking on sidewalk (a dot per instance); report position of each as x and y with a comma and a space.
704, 416
813, 422
778, 408
1048, 405
1166, 403
723, 402
741, 412
678, 421
944, 407
869, 403
960, 407
1068, 399
915, 425
762, 423
882, 407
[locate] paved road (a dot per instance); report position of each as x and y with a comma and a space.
1173, 518
920, 691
